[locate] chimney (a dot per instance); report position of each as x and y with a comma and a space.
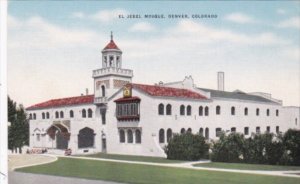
86, 91
221, 81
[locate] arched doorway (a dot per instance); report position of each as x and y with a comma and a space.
59, 133
86, 138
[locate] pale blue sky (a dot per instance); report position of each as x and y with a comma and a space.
54, 46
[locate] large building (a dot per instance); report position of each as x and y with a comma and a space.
139, 119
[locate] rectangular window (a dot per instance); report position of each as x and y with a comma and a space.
233, 129
277, 129
218, 132
268, 129
257, 130
246, 130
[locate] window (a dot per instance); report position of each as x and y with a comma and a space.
56, 115
257, 130
182, 131
277, 112
182, 109
233, 129
188, 110
34, 116
246, 111
189, 130
218, 132
125, 111
268, 112
169, 109
129, 136
161, 109
246, 130
206, 133
200, 111
30, 116
232, 110
90, 113
169, 134
103, 116
71, 114
277, 130
206, 111
86, 138
47, 115
138, 138
257, 112
218, 110
61, 114
161, 136
122, 136
38, 137
103, 91
268, 129
83, 113
201, 131
43, 115
296, 121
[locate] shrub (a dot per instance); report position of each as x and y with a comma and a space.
291, 142
229, 148
187, 147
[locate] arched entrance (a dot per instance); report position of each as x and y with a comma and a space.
86, 138
59, 133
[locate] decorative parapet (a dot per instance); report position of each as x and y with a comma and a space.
100, 100
112, 70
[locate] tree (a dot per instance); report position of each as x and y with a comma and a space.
18, 132
291, 141
187, 146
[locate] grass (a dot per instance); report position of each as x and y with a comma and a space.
133, 158
135, 173
242, 166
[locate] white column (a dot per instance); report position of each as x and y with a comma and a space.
3, 92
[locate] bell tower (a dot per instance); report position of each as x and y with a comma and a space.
111, 77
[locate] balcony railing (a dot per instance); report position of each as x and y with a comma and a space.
100, 100
112, 70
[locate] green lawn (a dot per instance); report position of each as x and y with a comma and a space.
135, 173
133, 158
241, 166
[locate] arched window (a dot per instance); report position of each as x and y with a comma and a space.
43, 115
83, 113
47, 115
218, 132
56, 114
257, 112
30, 116
103, 91
169, 109
277, 130
71, 114
257, 130
138, 137
61, 114
34, 116
218, 110
296, 121
268, 112
277, 112
161, 136
182, 131
206, 133
122, 136
182, 109
206, 111
246, 111
188, 110
169, 134
86, 138
189, 130
200, 111
129, 136
161, 109
90, 113
201, 131
232, 110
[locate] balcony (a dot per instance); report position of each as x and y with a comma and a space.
112, 71
100, 100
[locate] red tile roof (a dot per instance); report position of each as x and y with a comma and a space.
163, 91
111, 45
88, 99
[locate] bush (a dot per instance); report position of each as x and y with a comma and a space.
187, 147
229, 148
291, 142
